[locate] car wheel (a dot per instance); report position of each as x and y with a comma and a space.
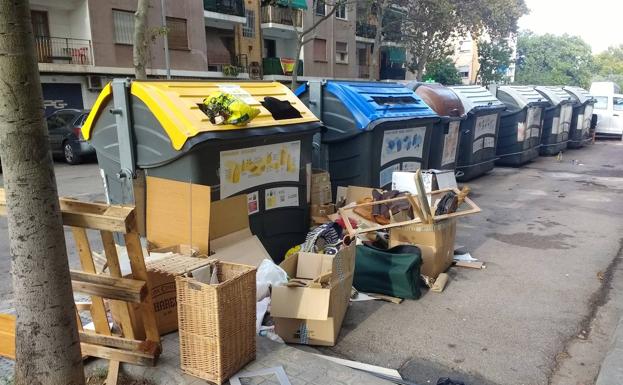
70, 154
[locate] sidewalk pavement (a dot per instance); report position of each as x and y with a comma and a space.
302, 368
611, 372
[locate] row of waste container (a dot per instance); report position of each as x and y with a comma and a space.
360, 131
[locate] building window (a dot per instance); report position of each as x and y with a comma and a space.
124, 26
341, 52
248, 29
321, 8
177, 33
320, 50
464, 71
340, 11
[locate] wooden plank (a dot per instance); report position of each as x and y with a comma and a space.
79, 321
98, 311
178, 213
7, 336
116, 342
137, 262
120, 309
123, 289
113, 354
113, 372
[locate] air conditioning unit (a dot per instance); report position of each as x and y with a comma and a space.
95, 82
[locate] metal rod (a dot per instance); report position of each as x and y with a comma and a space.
167, 63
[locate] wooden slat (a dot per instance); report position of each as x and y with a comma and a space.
123, 289
137, 262
120, 309
83, 306
113, 354
113, 372
98, 311
98, 216
7, 336
119, 343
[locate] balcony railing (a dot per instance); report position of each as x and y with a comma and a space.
282, 15
272, 66
228, 7
63, 50
366, 30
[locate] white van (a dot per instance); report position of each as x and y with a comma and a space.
608, 108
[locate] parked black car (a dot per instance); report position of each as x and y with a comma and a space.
66, 140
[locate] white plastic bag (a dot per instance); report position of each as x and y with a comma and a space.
269, 274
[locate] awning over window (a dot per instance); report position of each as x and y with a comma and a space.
396, 54
298, 4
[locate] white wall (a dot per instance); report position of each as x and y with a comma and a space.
80, 22
286, 47
71, 23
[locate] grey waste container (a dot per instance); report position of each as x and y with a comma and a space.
556, 120
168, 136
583, 102
519, 135
478, 132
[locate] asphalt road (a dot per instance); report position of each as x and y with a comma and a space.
547, 232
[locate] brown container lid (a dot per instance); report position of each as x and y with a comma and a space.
440, 98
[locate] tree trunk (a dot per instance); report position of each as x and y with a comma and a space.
47, 345
420, 70
295, 70
140, 39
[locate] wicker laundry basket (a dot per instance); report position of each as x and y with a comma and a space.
217, 322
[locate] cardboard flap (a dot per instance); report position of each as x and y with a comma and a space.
245, 251
300, 303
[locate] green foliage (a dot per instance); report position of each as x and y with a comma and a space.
494, 58
443, 71
554, 60
231, 71
431, 26
609, 65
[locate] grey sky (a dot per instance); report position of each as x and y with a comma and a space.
598, 22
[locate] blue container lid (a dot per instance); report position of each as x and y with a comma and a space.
372, 101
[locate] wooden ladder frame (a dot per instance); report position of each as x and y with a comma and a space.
122, 292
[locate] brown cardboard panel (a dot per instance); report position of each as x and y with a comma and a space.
322, 195
312, 265
300, 302
320, 177
229, 216
307, 332
177, 213
231, 239
435, 241
356, 193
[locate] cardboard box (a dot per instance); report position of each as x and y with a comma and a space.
313, 316
231, 239
321, 188
435, 241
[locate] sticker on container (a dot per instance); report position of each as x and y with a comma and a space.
489, 141
588, 116
556, 125
477, 146
521, 131
536, 132
450, 141
105, 181
237, 91
566, 113
485, 125
250, 167
580, 123
281, 197
411, 166
253, 202
403, 143
308, 173
385, 176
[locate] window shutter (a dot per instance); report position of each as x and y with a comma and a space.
177, 34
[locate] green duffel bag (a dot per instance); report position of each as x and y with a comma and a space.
394, 272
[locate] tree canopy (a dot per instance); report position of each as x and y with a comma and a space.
494, 58
431, 26
609, 65
442, 71
553, 60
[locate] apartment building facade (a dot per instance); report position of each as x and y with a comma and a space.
82, 44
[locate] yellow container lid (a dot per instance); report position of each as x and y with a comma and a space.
175, 105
